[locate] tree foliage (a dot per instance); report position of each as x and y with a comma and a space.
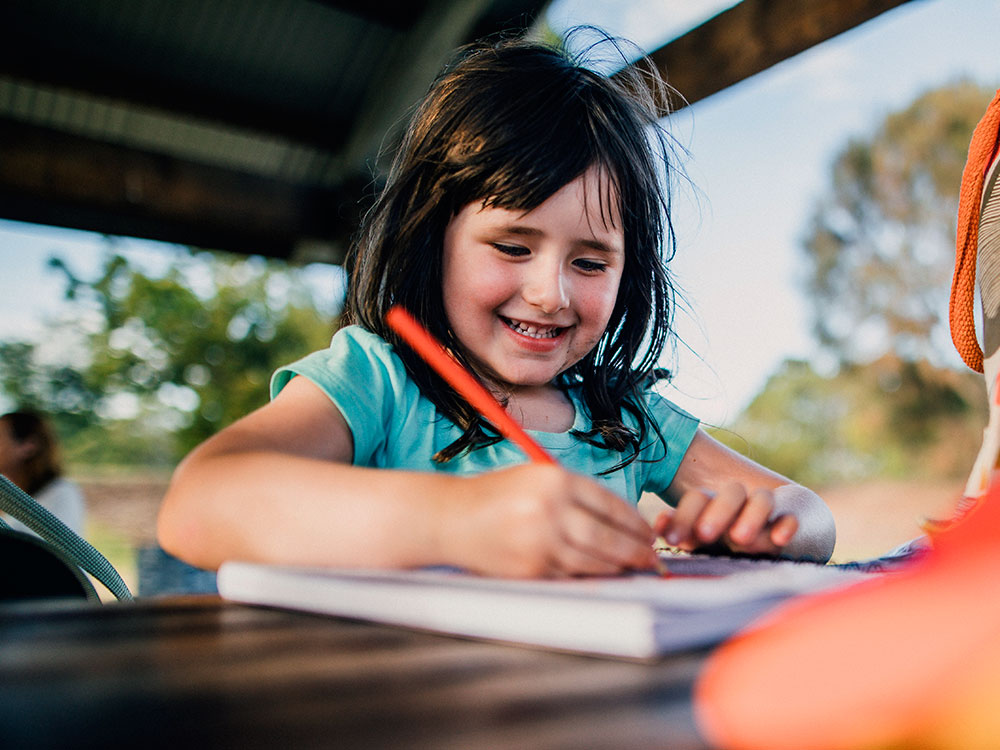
880, 252
880, 246
891, 418
148, 365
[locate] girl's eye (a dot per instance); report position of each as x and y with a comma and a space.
590, 266
512, 250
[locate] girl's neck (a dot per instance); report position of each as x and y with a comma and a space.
545, 408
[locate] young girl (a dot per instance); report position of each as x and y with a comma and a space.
523, 223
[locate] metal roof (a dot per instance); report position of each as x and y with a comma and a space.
254, 125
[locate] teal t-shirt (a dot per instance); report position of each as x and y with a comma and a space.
395, 426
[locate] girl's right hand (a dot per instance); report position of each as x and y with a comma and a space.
536, 520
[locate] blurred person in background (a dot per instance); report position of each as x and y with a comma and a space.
29, 458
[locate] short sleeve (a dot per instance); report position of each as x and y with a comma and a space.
678, 429
362, 376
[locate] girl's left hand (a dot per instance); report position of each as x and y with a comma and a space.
739, 520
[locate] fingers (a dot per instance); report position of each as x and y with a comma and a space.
662, 522
679, 531
543, 521
596, 544
752, 518
610, 509
741, 521
783, 529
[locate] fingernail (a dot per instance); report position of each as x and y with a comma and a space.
673, 538
707, 530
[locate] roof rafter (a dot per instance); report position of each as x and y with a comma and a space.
753, 36
253, 127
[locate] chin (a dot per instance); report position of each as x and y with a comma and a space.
533, 380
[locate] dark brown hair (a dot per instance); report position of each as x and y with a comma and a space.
43, 465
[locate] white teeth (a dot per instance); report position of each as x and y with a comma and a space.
533, 331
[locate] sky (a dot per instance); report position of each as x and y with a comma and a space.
759, 156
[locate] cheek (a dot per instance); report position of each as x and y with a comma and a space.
599, 299
471, 291
480, 283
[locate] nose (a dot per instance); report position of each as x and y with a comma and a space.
545, 286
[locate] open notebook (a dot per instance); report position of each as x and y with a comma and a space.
638, 616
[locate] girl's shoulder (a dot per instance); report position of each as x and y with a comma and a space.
661, 406
364, 378
355, 355
355, 337
356, 344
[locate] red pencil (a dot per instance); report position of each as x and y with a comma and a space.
435, 355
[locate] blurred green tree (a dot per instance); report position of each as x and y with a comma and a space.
891, 418
151, 364
880, 251
880, 245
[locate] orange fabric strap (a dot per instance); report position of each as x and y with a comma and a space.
961, 316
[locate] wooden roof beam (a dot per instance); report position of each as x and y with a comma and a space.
751, 37
50, 177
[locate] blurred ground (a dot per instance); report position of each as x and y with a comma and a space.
128, 506
121, 518
872, 517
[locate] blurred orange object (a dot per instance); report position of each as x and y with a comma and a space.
969, 717
983, 150
906, 659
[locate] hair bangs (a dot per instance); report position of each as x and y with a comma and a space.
542, 148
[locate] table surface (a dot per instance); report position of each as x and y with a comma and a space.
194, 672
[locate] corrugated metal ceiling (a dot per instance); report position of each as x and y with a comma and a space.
296, 93
254, 125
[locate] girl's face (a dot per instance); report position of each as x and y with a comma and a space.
529, 294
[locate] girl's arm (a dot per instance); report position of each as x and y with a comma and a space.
721, 497
277, 486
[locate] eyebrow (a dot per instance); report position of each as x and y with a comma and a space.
593, 244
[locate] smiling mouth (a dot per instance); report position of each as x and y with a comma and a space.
532, 331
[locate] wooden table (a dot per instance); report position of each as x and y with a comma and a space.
197, 672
